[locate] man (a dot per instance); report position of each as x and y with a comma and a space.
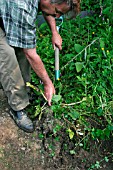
18, 50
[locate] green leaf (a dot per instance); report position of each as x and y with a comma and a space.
56, 98
102, 44
79, 66
74, 115
72, 152
99, 111
97, 165
106, 159
110, 127
68, 56
106, 10
56, 129
99, 132
54, 108
107, 132
41, 136
78, 48
71, 133
81, 144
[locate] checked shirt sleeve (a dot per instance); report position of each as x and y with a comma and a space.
19, 24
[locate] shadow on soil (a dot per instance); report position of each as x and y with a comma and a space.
43, 151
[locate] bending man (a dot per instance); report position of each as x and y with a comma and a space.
18, 50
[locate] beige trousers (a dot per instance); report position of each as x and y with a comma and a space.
14, 73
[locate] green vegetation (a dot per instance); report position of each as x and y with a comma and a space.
84, 93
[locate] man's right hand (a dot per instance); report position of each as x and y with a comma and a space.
49, 91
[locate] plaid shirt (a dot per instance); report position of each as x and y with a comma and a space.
19, 18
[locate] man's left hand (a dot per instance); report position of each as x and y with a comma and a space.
56, 40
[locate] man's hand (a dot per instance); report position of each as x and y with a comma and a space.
56, 40
49, 91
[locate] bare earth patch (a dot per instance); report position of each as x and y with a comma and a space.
42, 150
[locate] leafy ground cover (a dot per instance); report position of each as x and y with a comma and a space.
84, 93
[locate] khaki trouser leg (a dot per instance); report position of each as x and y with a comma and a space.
23, 64
10, 76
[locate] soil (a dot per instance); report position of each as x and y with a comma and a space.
43, 150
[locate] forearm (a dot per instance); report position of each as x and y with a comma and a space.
52, 23
37, 65
56, 38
